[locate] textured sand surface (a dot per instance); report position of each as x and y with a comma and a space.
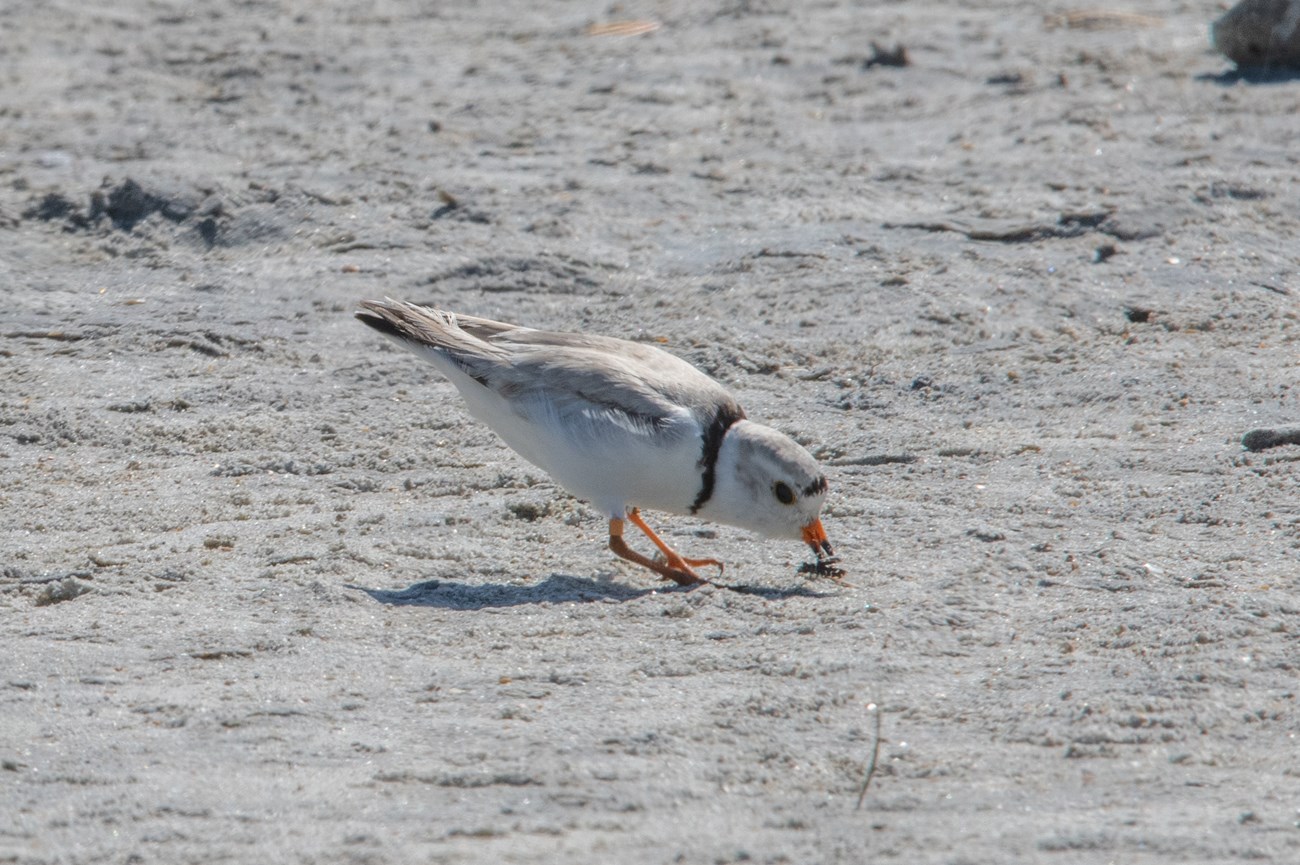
267, 594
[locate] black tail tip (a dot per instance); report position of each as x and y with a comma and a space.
378, 322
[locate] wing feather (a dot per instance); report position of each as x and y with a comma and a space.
638, 387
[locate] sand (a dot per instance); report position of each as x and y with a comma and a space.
268, 594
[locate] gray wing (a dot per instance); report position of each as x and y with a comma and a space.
635, 386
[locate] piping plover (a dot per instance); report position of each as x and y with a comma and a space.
622, 425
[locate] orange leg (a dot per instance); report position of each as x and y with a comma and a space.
677, 567
669, 553
682, 575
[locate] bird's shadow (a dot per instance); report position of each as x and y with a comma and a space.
1251, 75
555, 589
774, 593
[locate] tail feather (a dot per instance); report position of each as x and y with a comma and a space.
420, 327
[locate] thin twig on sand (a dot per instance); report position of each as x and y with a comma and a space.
875, 755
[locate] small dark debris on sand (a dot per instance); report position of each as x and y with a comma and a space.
1263, 439
823, 568
882, 56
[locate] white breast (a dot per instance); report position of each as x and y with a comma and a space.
597, 455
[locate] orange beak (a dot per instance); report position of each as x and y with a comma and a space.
815, 537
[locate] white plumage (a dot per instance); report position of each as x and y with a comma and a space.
622, 425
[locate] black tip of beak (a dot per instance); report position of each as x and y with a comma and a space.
823, 549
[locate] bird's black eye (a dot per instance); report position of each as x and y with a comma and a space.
783, 493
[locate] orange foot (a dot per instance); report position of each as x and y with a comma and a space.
673, 567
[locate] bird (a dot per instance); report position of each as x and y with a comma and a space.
624, 426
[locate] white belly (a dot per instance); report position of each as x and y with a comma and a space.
611, 464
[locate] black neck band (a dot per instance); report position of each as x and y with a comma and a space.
724, 420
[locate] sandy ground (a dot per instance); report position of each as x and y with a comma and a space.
267, 594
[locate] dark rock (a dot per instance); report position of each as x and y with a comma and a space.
1260, 34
